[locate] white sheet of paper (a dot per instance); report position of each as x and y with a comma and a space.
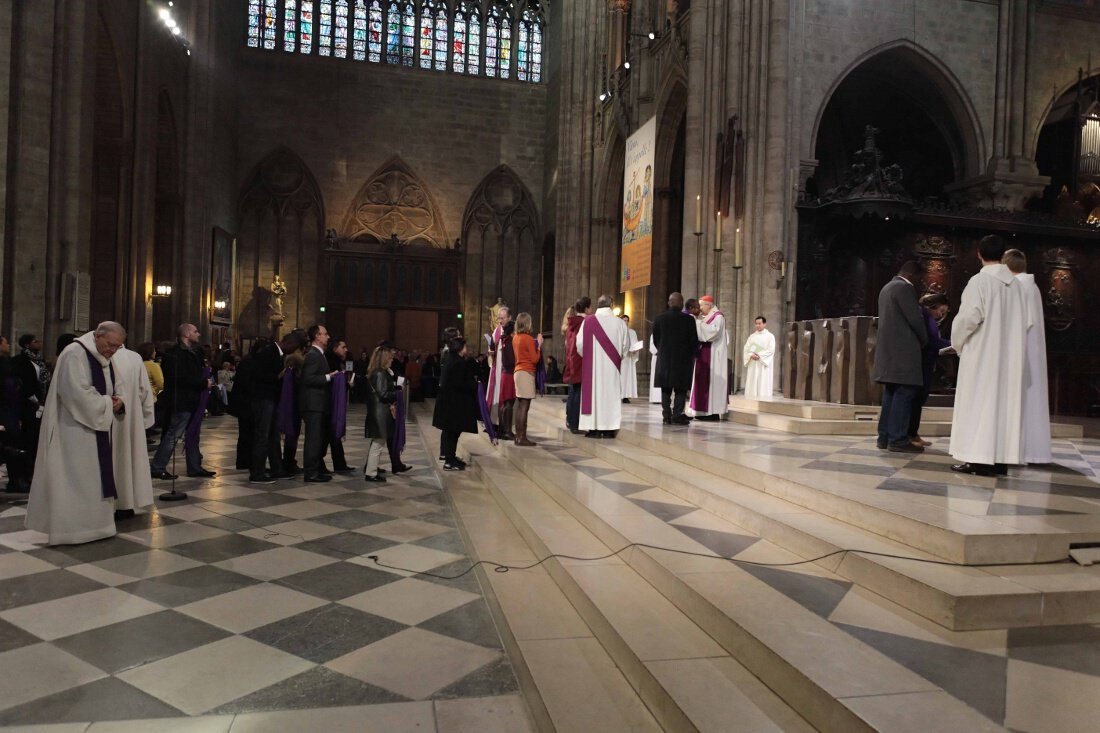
400, 381
489, 341
947, 350
636, 346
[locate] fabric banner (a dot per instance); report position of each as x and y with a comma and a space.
638, 193
194, 426
483, 413
339, 405
287, 420
397, 440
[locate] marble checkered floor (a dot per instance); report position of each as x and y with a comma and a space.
247, 601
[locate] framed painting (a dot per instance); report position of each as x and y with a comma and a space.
223, 264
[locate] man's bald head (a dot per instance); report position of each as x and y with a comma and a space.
188, 334
676, 300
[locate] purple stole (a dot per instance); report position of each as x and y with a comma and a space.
540, 374
700, 390
498, 334
103, 437
287, 421
593, 332
397, 440
194, 426
339, 405
483, 413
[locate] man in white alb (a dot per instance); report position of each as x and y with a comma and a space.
709, 390
758, 354
1036, 401
629, 370
602, 342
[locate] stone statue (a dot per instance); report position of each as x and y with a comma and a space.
276, 318
803, 389
790, 364
874, 388
838, 391
822, 360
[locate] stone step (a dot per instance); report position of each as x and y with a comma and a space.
957, 598
952, 536
830, 678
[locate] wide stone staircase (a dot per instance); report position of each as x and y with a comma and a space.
647, 639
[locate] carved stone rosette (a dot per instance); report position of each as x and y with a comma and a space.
1061, 296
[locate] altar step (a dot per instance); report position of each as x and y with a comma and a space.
793, 514
807, 417
687, 631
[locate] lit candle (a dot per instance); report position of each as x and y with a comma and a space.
718, 232
698, 214
737, 248
783, 268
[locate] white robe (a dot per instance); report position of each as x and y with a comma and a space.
607, 398
712, 329
496, 365
66, 500
131, 455
654, 390
990, 334
629, 370
759, 375
1036, 397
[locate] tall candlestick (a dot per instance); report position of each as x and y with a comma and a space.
737, 248
718, 232
698, 214
783, 268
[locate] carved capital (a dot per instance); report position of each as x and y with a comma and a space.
618, 6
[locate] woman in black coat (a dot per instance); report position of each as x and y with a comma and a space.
381, 400
456, 406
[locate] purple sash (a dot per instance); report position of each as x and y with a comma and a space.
593, 331
287, 421
339, 405
700, 389
194, 426
483, 413
103, 437
397, 440
540, 376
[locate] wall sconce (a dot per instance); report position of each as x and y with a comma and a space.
219, 305
162, 291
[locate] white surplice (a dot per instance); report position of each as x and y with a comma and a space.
759, 375
629, 370
990, 333
711, 329
654, 390
606, 383
128, 444
1036, 397
66, 500
496, 366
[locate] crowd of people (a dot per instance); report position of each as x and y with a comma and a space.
1001, 415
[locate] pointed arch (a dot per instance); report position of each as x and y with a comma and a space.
930, 82
168, 210
282, 215
395, 202
502, 243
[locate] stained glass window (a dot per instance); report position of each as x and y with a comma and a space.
340, 37
521, 50
458, 45
290, 25
324, 45
305, 27
427, 13
374, 33
529, 48
473, 43
393, 35
492, 42
441, 39
269, 24
254, 23
408, 36
535, 52
359, 37
505, 47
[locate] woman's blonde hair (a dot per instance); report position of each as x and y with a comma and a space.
523, 323
379, 357
569, 313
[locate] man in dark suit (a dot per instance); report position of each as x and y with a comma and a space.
901, 336
183, 385
675, 338
265, 382
34, 380
315, 402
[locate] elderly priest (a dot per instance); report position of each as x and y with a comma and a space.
602, 342
710, 390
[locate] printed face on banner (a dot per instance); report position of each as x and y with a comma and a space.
637, 243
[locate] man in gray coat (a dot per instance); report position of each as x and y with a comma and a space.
901, 335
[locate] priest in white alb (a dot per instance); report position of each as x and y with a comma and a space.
654, 390
629, 370
75, 483
1036, 417
758, 354
602, 342
989, 333
128, 443
710, 388
492, 393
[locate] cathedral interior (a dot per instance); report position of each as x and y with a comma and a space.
391, 168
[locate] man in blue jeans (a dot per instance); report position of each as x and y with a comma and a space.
183, 384
901, 336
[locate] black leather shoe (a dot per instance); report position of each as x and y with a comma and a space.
708, 418
320, 478
203, 473
666, 420
1000, 469
345, 469
882, 446
907, 448
401, 468
263, 479
375, 479
593, 434
450, 466
681, 420
121, 514
975, 469
164, 475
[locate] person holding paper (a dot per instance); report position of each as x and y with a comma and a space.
676, 339
602, 342
709, 391
758, 354
496, 373
629, 372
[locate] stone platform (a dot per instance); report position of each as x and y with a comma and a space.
808, 417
